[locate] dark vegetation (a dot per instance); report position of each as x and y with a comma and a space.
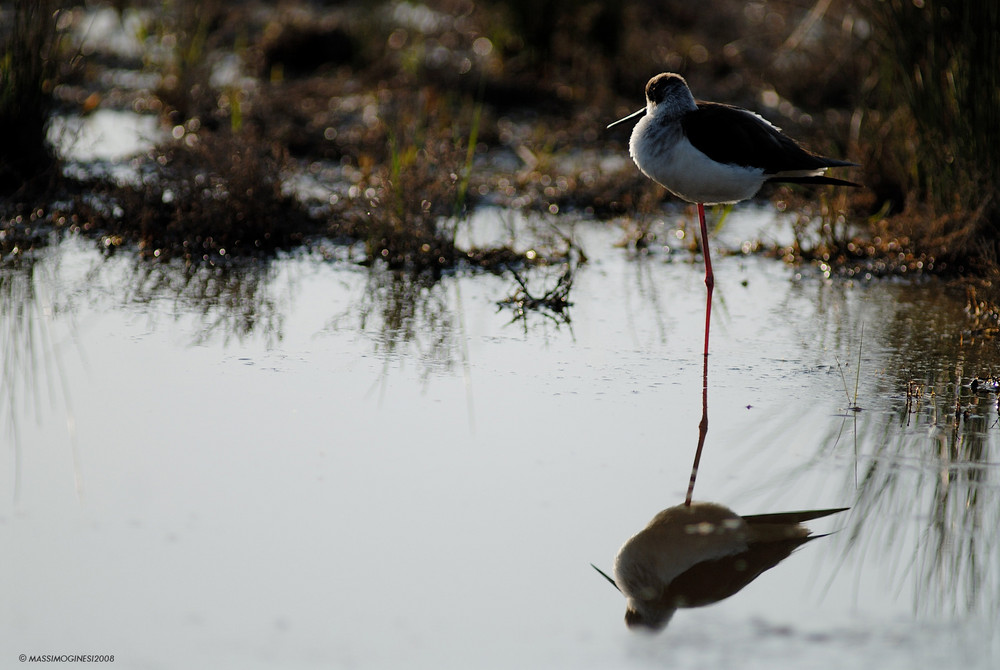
29, 60
411, 114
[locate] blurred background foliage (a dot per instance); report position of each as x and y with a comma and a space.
429, 108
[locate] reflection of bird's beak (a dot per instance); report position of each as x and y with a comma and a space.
605, 575
633, 115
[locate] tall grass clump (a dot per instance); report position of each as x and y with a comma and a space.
188, 26
936, 135
418, 196
215, 190
214, 195
28, 48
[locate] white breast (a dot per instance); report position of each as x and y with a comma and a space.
668, 158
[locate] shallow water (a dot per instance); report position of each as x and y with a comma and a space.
312, 464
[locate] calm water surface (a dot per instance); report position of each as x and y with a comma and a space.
312, 464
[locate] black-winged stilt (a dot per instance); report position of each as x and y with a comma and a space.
711, 153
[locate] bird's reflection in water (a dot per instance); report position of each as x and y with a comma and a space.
698, 554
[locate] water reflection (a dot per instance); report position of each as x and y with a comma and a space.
702, 429
552, 303
919, 464
33, 373
697, 554
934, 460
924, 478
233, 301
407, 315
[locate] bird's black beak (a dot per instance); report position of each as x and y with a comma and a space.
633, 115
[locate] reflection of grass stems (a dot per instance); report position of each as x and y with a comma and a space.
31, 357
932, 467
857, 373
235, 302
926, 468
403, 311
852, 405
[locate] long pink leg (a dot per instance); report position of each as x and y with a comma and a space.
709, 276
703, 426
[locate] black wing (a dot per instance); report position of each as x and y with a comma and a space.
735, 136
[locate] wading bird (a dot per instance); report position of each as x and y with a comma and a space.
710, 153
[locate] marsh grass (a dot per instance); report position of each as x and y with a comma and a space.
29, 63
852, 401
934, 134
928, 140
213, 195
462, 189
507, 102
411, 200
189, 30
215, 189
983, 309
419, 197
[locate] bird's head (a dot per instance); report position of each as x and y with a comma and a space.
668, 94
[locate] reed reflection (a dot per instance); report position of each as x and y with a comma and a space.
409, 315
33, 327
928, 480
925, 477
234, 301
